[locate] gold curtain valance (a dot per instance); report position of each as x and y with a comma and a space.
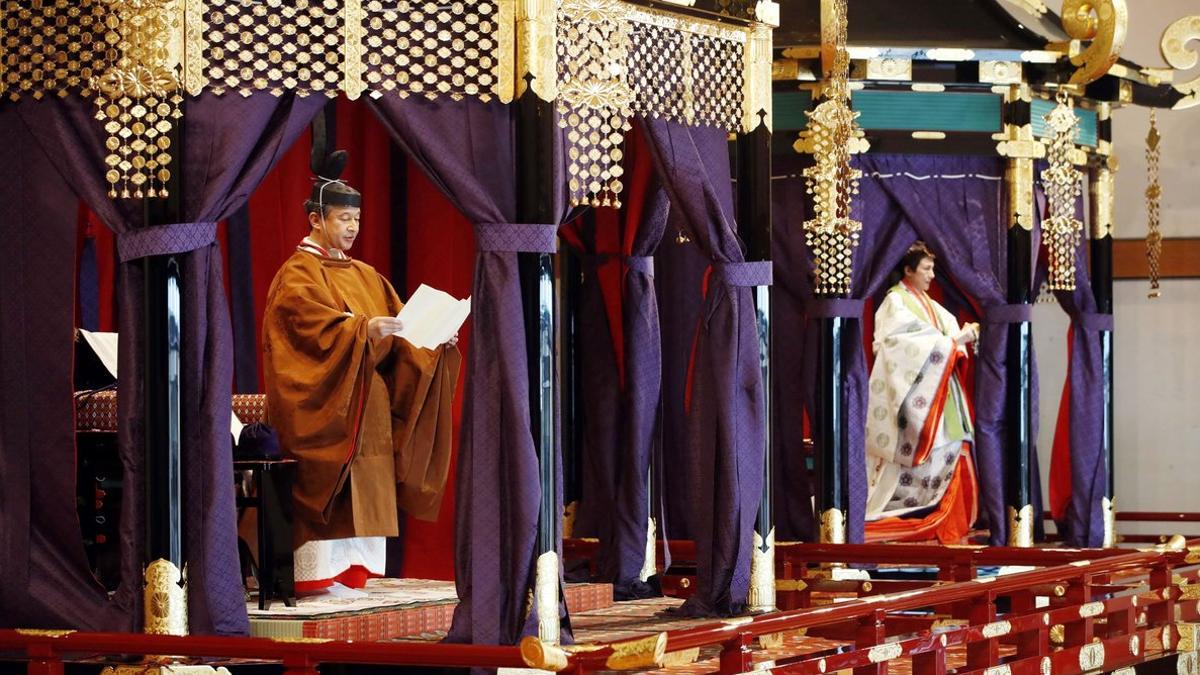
614, 59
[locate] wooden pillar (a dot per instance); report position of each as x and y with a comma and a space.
536, 91
1021, 149
1103, 193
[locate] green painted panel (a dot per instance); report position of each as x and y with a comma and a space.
789, 107
903, 110
1087, 122
928, 111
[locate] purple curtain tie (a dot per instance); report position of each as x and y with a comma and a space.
744, 273
164, 240
836, 308
642, 264
517, 237
1000, 314
1093, 321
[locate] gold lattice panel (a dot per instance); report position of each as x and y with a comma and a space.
51, 46
276, 45
717, 80
615, 60
689, 72
431, 48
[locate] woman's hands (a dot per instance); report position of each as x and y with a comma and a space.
968, 334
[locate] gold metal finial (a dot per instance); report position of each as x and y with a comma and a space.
1020, 526
164, 599
833, 527
762, 573
1109, 507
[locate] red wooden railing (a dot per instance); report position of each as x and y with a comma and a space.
1113, 608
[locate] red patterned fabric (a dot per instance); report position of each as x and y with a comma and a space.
98, 411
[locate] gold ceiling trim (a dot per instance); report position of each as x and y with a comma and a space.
616, 59
1105, 23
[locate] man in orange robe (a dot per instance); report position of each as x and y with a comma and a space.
367, 414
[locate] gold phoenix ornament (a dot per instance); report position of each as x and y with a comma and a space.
1061, 231
137, 97
832, 135
1153, 199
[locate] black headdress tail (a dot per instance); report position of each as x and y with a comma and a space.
329, 189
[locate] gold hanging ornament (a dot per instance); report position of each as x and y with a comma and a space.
831, 137
1153, 197
595, 99
137, 97
1061, 231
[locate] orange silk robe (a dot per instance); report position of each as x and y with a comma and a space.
368, 420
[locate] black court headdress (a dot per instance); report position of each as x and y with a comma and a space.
328, 187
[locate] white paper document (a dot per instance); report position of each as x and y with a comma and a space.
104, 345
431, 317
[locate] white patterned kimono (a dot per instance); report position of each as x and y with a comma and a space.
918, 422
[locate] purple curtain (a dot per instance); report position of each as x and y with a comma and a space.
621, 420
961, 216
232, 143
1084, 525
886, 235
46, 578
467, 148
679, 269
726, 419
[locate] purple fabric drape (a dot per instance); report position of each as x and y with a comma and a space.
467, 148
960, 215
1084, 525
679, 270
886, 235
726, 420
621, 419
232, 143
46, 580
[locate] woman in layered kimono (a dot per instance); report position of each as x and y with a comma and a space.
921, 476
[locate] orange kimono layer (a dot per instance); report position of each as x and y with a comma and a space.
369, 420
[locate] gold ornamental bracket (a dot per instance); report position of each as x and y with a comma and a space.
1104, 24
1175, 50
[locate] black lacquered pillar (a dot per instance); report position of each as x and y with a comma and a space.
1021, 150
754, 223
1102, 192
535, 130
165, 593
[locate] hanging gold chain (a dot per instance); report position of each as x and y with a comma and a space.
1153, 199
